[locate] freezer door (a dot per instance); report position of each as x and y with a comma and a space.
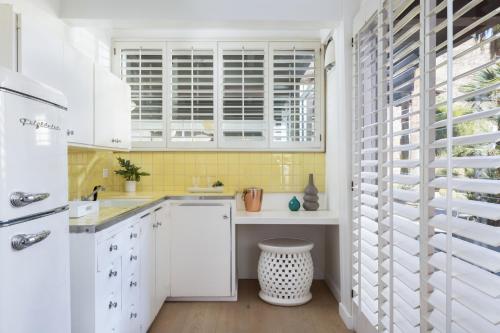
34, 280
33, 157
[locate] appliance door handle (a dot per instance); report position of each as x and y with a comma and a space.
22, 241
21, 199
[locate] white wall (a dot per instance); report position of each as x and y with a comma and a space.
338, 161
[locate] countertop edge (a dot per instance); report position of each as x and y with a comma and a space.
92, 228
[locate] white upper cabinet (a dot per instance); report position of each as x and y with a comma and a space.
79, 90
111, 110
41, 44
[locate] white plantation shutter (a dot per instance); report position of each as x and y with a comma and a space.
366, 193
462, 110
439, 183
192, 95
296, 104
142, 67
243, 102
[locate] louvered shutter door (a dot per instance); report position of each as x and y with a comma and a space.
400, 239
365, 185
243, 119
462, 110
296, 104
192, 95
142, 67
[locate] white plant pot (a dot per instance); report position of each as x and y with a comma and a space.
130, 186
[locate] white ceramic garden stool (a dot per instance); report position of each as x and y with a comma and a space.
285, 271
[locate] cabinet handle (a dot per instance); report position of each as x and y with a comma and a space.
159, 224
113, 248
133, 284
155, 225
132, 257
133, 235
70, 132
112, 304
225, 217
113, 273
133, 315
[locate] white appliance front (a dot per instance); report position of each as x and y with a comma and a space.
34, 281
33, 151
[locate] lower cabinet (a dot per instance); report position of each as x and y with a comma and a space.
201, 249
120, 276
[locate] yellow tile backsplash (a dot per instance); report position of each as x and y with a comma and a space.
176, 171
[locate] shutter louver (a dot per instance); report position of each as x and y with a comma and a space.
296, 106
244, 90
462, 112
365, 190
192, 95
143, 69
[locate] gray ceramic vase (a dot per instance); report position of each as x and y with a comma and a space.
311, 197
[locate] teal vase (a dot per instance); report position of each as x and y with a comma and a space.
294, 204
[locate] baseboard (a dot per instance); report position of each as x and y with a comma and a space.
333, 287
346, 316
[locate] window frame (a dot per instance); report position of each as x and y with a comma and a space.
318, 145
318, 142
118, 46
196, 46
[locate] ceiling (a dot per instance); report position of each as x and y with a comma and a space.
159, 18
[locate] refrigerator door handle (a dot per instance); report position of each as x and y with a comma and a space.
22, 241
21, 199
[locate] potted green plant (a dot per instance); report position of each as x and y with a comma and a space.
131, 174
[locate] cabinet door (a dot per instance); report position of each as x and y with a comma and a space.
112, 117
147, 271
201, 249
79, 90
123, 121
162, 255
41, 47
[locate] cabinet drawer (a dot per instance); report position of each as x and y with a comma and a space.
108, 313
130, 261
131, 290
108, 250
132, 234
110, 277
130, 321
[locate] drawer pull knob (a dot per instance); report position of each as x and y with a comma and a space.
112, 304
132, 257
133, 315
113, 273
113, 248
133, 284
158, 224
133, 235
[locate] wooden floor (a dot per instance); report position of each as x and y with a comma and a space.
251, 315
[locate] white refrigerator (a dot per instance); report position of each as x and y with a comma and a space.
34, 231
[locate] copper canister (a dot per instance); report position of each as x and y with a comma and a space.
252, 197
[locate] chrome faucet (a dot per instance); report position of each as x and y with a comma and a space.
93, 196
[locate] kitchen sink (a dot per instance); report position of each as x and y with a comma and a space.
123, 202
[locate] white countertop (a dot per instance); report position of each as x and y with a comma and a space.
301, 217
